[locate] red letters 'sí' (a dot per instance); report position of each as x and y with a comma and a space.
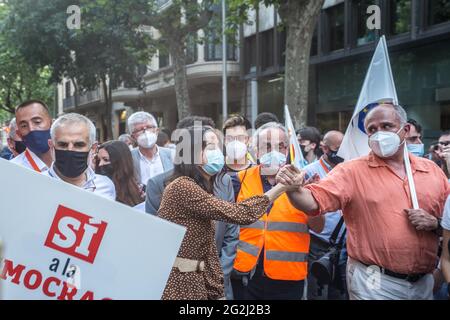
75, 234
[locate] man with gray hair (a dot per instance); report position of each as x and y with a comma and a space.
392, 248
15, 144
72, 142
272, 253
149, 159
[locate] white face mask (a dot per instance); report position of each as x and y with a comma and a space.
236, 150
384, 143
147, 140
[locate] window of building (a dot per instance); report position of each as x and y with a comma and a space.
213, 47
282, 47
363, 35
335, 17
142, 70
338, 120
250, 54
191, 50
438, 12
315, 43
267, 49
67, 89
399, 16
164, 60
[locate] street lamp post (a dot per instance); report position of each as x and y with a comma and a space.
224, 64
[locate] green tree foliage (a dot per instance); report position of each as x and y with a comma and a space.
19, 81
106, 51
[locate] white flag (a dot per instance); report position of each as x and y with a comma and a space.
295, 155
378, 87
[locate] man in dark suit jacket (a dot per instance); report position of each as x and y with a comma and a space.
227, 235
149, 159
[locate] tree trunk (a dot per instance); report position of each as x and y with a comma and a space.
176, 49
299, 17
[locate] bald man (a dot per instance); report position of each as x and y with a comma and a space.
392, 248
320, 242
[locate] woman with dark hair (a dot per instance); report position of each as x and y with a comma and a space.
188, 201
114, 161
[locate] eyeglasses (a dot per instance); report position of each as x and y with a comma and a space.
141, 131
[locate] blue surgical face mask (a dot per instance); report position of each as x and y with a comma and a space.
273, 158
416, 149
215, 163
37, 141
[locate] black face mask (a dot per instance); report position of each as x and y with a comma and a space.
105, 170
302, 148
71, 164
19, 146
334, 158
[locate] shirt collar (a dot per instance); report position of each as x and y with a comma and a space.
90, 175
416, 165
41, 164
154, 157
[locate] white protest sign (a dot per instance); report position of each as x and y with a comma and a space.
61, 242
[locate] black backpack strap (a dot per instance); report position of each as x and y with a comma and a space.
336, 231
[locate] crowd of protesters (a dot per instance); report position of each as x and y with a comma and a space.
259, 227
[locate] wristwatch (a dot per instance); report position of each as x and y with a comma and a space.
438, 229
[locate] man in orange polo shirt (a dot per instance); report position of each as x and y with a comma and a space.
392, 249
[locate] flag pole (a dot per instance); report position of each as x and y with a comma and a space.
412, 187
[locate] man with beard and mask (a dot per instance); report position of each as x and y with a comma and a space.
72, 142
309, 140
33, 122
272, 253
149, 159
15, 144
321, 242
414, 139
392, 248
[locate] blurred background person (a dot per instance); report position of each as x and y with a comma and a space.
414, 139
263, 118
309, 139
445, 256
442, 151
15, 144
236, 132
114, 161
169, 143
128, 140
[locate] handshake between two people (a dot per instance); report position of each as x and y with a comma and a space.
293, 179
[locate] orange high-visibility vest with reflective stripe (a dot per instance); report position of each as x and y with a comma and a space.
283, 233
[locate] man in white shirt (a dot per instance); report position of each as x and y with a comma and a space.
72, 142
149, 159
33, 127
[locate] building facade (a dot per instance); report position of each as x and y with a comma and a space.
418, 37
204, 73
